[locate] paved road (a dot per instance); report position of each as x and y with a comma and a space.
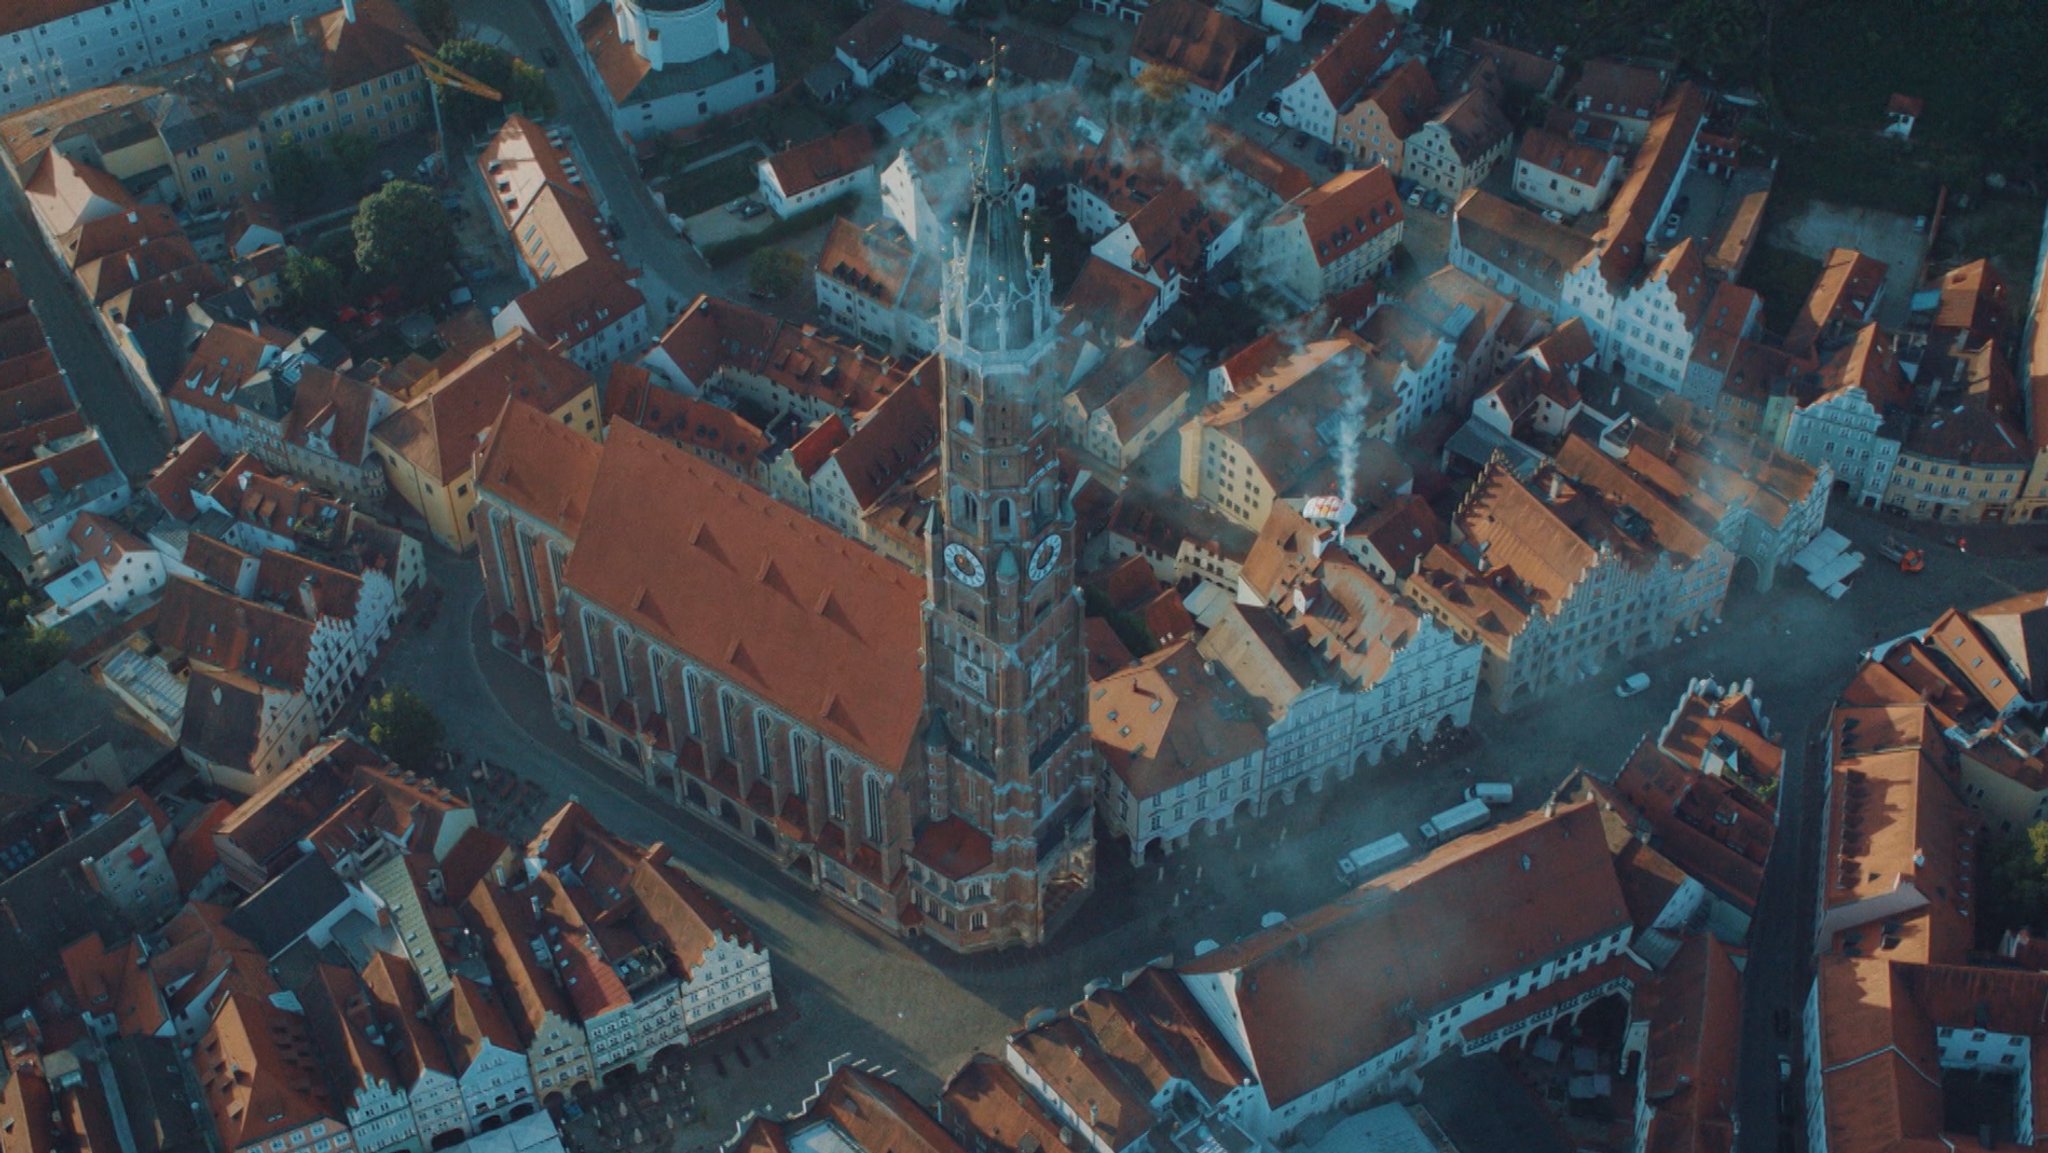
671, 271
851, 990
131, 429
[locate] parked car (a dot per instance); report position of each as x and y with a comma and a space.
1553, 216
1443, 206
746, 209
1635, 683
1269, 118
1415, 198
1919, 224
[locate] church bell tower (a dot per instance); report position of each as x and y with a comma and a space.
1006, 679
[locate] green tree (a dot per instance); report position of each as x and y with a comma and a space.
2016, 881
404, 728
436, 19
528, 88
27, 649
774, 272
353, 153
465, 115
313, 287
298, 176
403, 237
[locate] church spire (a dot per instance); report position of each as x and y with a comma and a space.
1001, 305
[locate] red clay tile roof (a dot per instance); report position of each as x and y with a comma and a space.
259, 1074
220, 630
193, 854
372, 45
1563, 156
333, 410
1113, 298
539, 465
1843, 295
1625, 233
821, 160
1319, 994
712, 430
1167, 720
898, 436
183, 471
1348, 64
985, 1102
474, 1019
439, 430
1211, 47
1261, 165
1612, 88
394, 987
819, 626
580, 302
32, 480
1347, 212
870, 1111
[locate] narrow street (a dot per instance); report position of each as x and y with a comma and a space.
672, 274
130, 428
848, 989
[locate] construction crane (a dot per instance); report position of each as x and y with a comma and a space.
441, 74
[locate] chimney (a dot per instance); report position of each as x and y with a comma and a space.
1555, 484
134, 273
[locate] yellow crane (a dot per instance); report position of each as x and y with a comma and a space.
441, 74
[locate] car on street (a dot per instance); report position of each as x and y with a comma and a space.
1632, 684
746, 209
1553, 216
1270, 115
1415, 198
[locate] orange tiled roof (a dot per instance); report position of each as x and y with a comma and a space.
1347, 212
439, 430
1348, 64
259, 1074
1210, 46
1321, 993
783, 605
822, 160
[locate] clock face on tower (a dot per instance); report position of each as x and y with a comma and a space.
970, 674
965, 566
1044, 557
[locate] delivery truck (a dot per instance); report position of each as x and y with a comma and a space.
1363, 863
1459, 818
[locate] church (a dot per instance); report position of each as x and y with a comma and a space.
916, 748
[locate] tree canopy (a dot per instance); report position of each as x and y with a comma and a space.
403, 237
297, 176
465, 115
405, 728
313, 287
774, 272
